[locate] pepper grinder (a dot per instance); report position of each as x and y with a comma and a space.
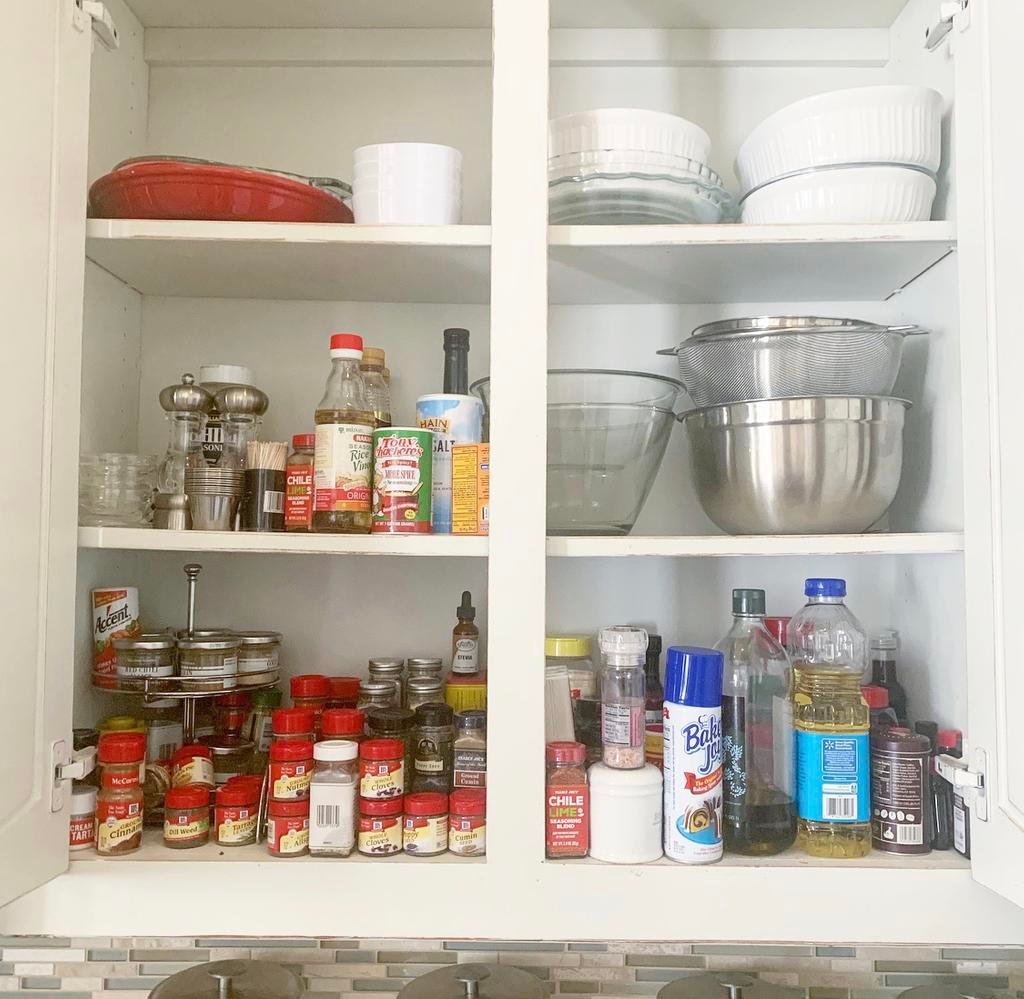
186, 406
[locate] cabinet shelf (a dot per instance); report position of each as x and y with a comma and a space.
286, 260
687, 264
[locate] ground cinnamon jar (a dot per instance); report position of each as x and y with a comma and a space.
291, 769
294, 724
288, 828
187, 816
343, 691
567, 812
343, 723
122, 757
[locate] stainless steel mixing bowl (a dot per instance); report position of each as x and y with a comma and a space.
825, 465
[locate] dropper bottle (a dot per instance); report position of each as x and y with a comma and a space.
466, 639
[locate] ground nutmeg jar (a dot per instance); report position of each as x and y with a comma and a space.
425, 829
291, 769
236, 810
380, 826
287, 828
119, 804
381, 769
467, 822
187, 816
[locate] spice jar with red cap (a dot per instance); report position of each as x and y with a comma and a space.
230, 712
310, 691
187, 816
298, 484
343, 691
381, 769
467, 822
425, 825
343, 723
380, 826
291, 769
192, 764
236, 810
877, 698
119, 804
567, 801
288, 828
292, 724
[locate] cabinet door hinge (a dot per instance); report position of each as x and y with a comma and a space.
968, 781
952, 13
68, 766
95, 14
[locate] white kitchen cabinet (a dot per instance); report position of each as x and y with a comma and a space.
297, 86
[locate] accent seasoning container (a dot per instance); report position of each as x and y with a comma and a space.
467, 822
287, 828
115, 614
900, 791
425, 829
402, 460
380, 827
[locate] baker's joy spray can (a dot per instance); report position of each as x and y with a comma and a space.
693, 754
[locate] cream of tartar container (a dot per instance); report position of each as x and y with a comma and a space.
258, 652
82, 835
145, 655
625, 814
454, 419
208, 663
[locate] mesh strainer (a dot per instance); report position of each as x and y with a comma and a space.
780, 357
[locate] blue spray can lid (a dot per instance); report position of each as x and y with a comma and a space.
693, 676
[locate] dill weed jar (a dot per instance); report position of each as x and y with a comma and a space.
187, 816
119, 804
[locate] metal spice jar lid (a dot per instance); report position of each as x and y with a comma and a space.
471, 719
237, 979
219, 643
147, 642
386, 663
336, 723
257, 637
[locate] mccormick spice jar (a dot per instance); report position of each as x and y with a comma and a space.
258, 654
343, 723
292, 724
235, 812
298, 484
380, 827
402, 480
230, 712
291, 769
467, 822
343, 691
83, 817
425, 826
187, 816
119, 804
900, 791
567, 825
287, 828
192, 764
381, 769
310, 691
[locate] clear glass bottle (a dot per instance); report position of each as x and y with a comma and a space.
828, 650
759, 810
332, 799
344, 444
885, 647
378, 392
622, 696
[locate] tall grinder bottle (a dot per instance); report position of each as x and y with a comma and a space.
757, 734
828, 649
343, 461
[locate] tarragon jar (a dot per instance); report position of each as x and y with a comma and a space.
236, 810
187, 816
119, 804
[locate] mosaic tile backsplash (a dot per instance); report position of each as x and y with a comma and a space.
128, 967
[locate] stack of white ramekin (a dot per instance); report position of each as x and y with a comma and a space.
407, 183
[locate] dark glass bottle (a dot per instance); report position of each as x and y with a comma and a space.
884, 648
456, 362
951, 743
654, 701
942, 793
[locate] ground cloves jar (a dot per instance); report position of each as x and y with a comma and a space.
380, 827
187, 816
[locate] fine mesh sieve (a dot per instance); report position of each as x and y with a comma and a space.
779, 357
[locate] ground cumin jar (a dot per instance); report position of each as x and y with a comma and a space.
292, 724
381, 769
291, 769
288, 828
187, 816
119, 804
343, 691
343, 723
380, 826
425, 825
192, 764
235, 811
467, 822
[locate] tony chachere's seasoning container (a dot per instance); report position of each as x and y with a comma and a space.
381, 769
380, 826
332, 799
434, 748
292, 724
259, 652
401, 480
83, 817
288, 828
187, 816
625, 814
298, 484
470, 757
567, 804
383, 669
291, 769
343, 723
235, 812
467, 822
208, 663
192, 764
425, 827
119, 804
900, 791
342, 691
145, 655
693, 754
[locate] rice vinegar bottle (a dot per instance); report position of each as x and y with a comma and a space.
828, 649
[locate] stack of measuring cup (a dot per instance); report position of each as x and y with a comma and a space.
407, 183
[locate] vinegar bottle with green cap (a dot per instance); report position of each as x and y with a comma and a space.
828, 649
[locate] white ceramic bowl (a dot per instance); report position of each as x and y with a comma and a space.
407, 183
844, 194
885, 124
612, 130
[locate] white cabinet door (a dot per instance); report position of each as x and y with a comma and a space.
44, 76
990, 147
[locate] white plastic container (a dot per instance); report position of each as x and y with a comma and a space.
82, 835
407, 183
454, 419
625, 814
843, 195
884, 124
